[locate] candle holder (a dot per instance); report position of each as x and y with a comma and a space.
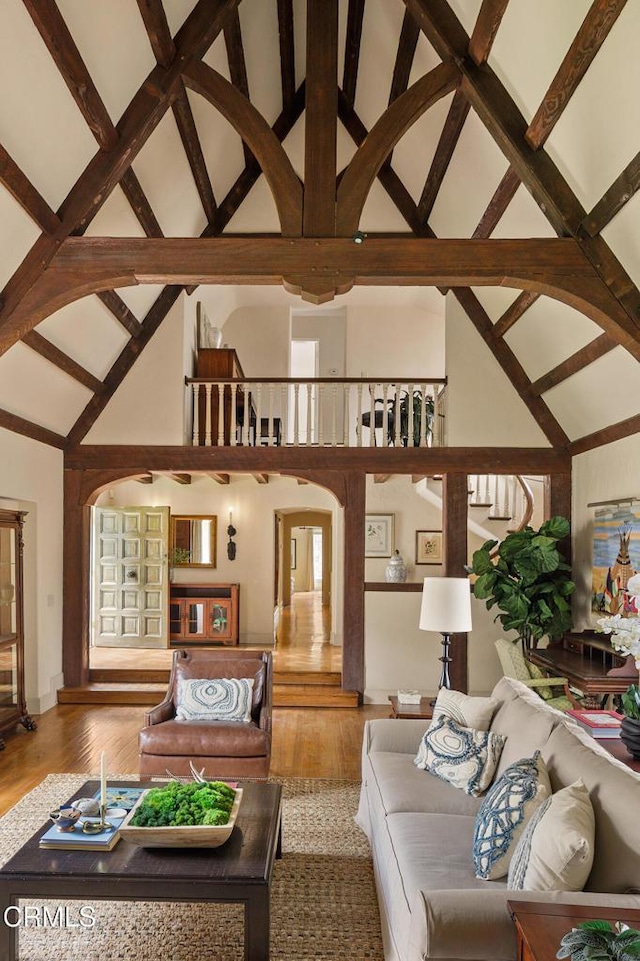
97, 827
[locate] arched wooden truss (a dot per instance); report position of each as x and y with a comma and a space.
314, 254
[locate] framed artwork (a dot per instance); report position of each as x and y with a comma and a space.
293, 554
428, 547
378, 535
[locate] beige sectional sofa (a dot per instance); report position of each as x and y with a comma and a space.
421, 831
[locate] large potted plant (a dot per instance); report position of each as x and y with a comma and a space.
527, 578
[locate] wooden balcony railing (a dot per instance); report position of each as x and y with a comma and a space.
322, 412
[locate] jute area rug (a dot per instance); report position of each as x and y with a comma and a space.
323, 901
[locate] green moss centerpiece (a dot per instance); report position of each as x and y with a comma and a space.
200, 814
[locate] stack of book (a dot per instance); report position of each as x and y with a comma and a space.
119, 802
600, 724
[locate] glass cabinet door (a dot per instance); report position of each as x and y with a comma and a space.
194, 626
8, 618
219, 618
8, 681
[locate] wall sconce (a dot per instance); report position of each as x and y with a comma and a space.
231, 532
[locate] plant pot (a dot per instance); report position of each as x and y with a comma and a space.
630, 736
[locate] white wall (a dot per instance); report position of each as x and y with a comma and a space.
31, 480
253, 507
389, 342
483, 408
148, 407
613, 472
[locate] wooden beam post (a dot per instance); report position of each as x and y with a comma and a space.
454, 533
353, 597
75, 573
321, 119
557, 503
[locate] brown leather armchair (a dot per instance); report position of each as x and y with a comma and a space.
225, 749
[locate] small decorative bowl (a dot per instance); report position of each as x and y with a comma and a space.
87, 805
65, 818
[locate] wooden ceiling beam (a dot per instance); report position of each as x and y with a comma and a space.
184, 479
512, 367
594, 30
381, 478
137, 459
66, 56
321, 119
62, 361
613, 200
114, 303
384, 135
287, 53
578, 361
157, 27
486, 28
132, 189
145, 479
193, 149
404, 57
505, 192
624, 428
107, 167
505, 123
18, 425
263, 141
260, 478
514, 312
23, 191
353, 40
283, 125
219, 478
237, 63
447, 143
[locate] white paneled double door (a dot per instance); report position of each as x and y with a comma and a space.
130, 570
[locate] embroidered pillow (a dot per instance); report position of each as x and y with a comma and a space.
555, 851
504, 813
465, 758
475, 712
222, 699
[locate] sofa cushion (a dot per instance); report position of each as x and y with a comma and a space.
555, 851
462, 756
526, 721
204, 739
464, 709
402, 787
214, 699
504, 813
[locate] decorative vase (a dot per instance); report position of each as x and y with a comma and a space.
396, 572
630, 736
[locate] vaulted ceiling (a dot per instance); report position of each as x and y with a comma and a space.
485, 147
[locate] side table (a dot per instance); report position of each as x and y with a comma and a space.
422, 710
541, 926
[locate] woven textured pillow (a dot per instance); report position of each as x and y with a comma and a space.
475, 712
221, 699
504, 813
555, 851
465, 758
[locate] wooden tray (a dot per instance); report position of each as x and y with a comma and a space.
183, 836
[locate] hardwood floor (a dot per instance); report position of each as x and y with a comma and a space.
307, 742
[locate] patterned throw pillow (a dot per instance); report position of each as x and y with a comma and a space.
222, 699
537, 674
465, 758
464, 709
555, 851
504, 814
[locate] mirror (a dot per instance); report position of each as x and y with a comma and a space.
193, 540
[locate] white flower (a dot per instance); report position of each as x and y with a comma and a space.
625, 634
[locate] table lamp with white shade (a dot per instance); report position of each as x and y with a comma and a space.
446, 608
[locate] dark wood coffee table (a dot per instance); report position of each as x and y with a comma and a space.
237, 872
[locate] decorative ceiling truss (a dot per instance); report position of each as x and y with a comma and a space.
318, 218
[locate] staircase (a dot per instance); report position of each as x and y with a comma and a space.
147, 688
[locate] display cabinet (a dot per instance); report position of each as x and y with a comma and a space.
204, 613
13, 709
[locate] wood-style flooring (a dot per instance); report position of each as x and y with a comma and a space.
307, 742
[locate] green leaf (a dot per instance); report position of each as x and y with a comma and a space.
482, 562
484, 585
557, 527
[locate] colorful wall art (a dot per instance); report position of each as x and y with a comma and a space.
616, 558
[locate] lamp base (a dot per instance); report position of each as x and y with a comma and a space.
445, 660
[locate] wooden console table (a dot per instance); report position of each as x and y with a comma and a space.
590, 664
541, 926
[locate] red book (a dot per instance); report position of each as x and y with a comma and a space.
599, 724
